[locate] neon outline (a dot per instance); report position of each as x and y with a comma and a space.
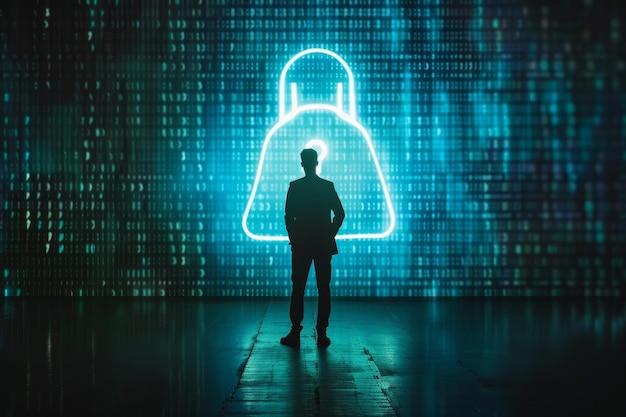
348, 117
340, 96
283, 74
294, 96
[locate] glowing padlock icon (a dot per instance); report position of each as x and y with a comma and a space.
346, 157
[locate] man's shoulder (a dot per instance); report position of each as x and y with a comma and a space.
304, 182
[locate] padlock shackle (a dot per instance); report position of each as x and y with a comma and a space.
283, 75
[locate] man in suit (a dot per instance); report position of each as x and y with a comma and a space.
310, 201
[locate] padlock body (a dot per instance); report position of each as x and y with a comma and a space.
349, 164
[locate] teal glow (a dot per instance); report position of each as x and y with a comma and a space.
147, 150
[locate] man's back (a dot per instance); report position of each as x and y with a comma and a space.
310, 201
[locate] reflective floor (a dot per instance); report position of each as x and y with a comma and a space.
448, 357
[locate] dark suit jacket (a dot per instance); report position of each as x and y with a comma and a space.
310, 201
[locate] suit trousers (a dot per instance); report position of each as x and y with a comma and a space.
301, 260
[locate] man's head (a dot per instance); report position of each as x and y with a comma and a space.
309, 160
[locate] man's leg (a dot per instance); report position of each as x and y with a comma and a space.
300, 265
322, 274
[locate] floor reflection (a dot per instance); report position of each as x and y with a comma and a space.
419, 357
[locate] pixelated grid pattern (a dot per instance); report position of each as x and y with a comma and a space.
131, 134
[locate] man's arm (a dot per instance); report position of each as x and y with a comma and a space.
289, 215
338, 211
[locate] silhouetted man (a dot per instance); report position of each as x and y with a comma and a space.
312, 237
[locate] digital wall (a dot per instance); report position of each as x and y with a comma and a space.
146, 148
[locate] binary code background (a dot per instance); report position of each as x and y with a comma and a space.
131, 132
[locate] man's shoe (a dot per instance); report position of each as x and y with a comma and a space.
322, 340
293, 338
